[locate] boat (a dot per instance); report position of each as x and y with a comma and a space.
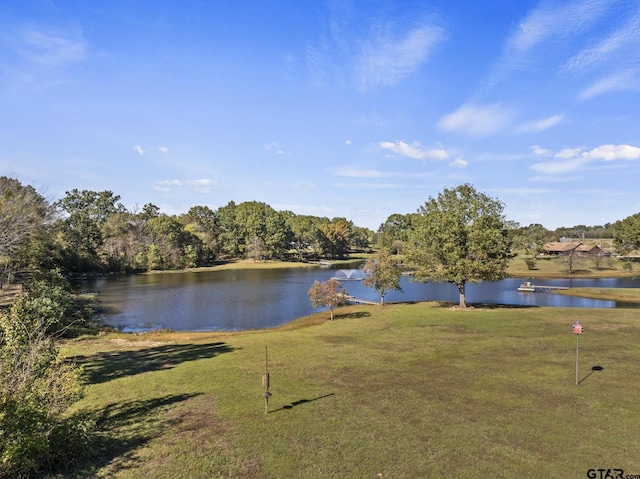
527, 287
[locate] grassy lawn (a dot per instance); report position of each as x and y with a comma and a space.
404, 391
550, 266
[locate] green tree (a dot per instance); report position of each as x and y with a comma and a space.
626, 234
393, 234
24, 214
201, 220
382, 273
228, 230
531, 240
335, 237
258, 220
459, 237
305, 233
329, 294
86, 213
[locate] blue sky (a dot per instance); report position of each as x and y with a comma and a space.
358, 109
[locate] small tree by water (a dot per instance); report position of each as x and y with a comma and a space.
328, 294
382, 273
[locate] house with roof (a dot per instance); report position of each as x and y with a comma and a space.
560, 248
563, 248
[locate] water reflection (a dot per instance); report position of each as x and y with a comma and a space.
234, 300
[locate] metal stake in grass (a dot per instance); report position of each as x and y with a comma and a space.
577, 330
265, 382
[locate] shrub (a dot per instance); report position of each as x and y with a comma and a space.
37, 387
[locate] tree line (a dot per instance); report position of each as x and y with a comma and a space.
93, 231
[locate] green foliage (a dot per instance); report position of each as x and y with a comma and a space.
393, 234
531, 239
86, 213
626, 235
382, 273
335, 237
305, 230
37, 386
459, 237
23, 216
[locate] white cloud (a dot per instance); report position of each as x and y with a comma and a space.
139, 149
541, 125
573, 159
414, 150
459, 163
348, 142
273, 146
384, 60
477, 121
613, 152
568, 153
557, 167
163, 149
539, 151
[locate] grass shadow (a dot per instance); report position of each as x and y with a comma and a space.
122, 428
301, 401
108, 365
354, 315
593, 370
503, 306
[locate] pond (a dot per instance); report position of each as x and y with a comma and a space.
234, 300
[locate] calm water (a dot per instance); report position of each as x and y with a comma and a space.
249, 299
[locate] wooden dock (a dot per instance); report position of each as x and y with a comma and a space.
353, 300
527, 287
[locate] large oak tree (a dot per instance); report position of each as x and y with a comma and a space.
459, 237
626, 234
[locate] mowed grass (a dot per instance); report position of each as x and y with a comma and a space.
401, 391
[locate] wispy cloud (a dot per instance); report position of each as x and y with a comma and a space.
477, 120
539, 151
459, 163
358, 173
540, 125
202, 185
163, 149
620, 81
38, 56
557, 167
139, 149
414, 150
274, 148
620, 44
352, 172
549, 23
371, 53
49, 48
385, 59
